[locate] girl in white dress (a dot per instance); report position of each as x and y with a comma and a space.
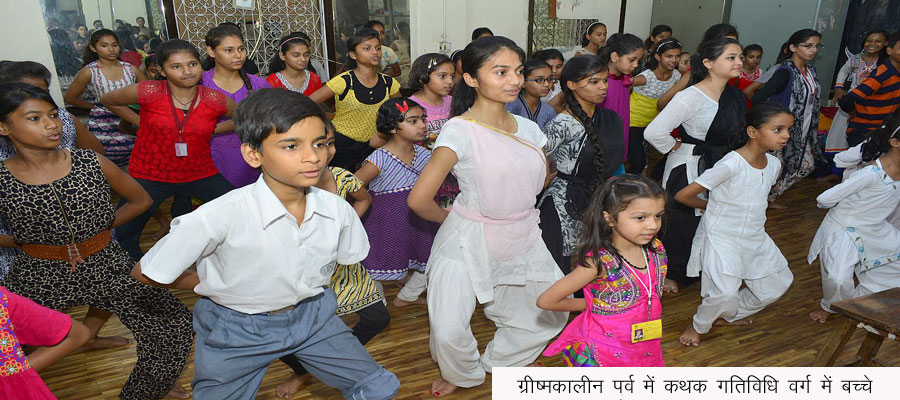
488, 249
857, 237
731, 245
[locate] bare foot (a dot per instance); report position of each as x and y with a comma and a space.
177, 392
820, 316
670, 286
106, 342
289, 388
690, 337
441, 388
740, 322
775, 206
398, 302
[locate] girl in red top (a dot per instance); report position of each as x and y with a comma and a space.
288, 69
178, 119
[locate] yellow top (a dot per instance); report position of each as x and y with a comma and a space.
356, 106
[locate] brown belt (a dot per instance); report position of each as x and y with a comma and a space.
73, 252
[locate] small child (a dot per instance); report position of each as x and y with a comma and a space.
857, 236
266, 253
529, 104
402, 240
622, 53
288, 68
731, 243
431, 78
621, 265
24, 322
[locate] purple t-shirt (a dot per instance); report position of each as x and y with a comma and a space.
436, 116
618, 97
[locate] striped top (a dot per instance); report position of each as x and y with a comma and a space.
395, 175
874, 99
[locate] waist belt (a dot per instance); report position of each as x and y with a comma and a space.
72, 252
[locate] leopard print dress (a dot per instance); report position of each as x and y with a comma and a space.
37, 214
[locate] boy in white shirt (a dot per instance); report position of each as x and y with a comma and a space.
265, 254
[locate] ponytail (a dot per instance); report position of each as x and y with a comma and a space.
708, 50
473, 58
214, 38
90, 55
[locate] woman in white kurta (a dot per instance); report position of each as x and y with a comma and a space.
856, 237
488, 249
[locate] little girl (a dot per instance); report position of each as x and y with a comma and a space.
431, 77
358, 93
225, 46
401, 240
24, 322
731, 244
355, 289
660, 75
57, 203
621, 265
622, 53
103, 73
857, 237
288, 68
539, 81
178, 119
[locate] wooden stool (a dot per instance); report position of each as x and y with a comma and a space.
880, 311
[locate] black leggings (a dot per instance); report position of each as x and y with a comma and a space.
372, 319
350, 153
637, 157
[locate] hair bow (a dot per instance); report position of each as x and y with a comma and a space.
403, 108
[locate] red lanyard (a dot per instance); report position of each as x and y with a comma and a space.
809, 82
187, 115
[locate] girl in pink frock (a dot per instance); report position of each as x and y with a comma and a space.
621, 265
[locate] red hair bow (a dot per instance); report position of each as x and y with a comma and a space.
403, 108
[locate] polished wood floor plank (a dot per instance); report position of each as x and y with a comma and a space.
780, 335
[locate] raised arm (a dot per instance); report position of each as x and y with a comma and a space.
322, 95
136, 198
669, 94
118, 101
84, 139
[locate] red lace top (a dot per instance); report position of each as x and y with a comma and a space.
153, 157
313, 83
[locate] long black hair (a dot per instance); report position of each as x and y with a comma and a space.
276, 64
214, 38
15, 71
719, 31
577, 69
880, 139
621, 44
420, 72
883, 53
590, 30
612, 198
356, 39
661, 47
656, 31
795, 39
709, 50
757, 116
13, 94
90, 55
169, 47
473, 58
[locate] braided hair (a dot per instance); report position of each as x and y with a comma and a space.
577, 69
214, 38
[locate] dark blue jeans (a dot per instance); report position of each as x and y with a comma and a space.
206, 189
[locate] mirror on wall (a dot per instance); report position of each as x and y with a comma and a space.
70, 24
352, 15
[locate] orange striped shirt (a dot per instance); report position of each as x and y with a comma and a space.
874, 99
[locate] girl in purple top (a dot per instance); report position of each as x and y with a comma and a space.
622, 53
225, 45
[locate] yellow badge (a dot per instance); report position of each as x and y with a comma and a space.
645, 331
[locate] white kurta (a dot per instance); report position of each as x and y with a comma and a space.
732, 236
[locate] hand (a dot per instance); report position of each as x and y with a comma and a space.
838, 93
676, 146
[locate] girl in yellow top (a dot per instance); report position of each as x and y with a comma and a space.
660, 75
358, 93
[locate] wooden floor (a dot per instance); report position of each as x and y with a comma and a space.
781, 335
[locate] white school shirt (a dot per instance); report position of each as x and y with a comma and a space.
250, 254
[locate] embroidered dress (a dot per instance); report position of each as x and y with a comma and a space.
601, 335
354, 287
67, 141
23, 322
226, 147
310, 84
103, 123
751, 76
400, 240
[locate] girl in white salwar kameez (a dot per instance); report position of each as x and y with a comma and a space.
857, 236
731, 245
488, 249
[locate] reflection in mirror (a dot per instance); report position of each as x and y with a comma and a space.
138, 25
394, 17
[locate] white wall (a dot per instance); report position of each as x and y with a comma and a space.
637, 17
24, 21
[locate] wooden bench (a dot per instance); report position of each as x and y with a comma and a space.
880, 311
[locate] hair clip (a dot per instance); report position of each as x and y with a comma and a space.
432, 62
403, 108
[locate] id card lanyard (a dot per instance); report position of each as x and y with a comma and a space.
181, 149
641, 281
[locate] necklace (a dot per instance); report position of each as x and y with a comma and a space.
648, 286
635, 266
184, 104
481, 121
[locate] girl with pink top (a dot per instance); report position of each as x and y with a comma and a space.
621, 265
488, 249
622, 53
